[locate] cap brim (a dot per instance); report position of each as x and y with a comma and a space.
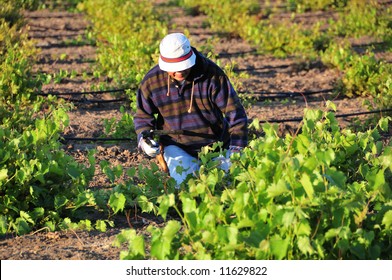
177, 66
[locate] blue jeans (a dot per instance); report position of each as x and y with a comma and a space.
181, 164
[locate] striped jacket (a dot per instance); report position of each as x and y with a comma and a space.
206, 105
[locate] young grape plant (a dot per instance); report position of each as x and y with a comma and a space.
324, 193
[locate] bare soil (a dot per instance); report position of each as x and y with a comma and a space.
56, 32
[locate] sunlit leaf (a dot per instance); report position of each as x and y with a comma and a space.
3, 174
307, 185
117, 202
279, 246
304, 245
387, 219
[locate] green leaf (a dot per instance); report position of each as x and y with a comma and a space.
386, 158
192, 220
302, 144
51, 225
73, 171
376, 181
37, 213
387, 219
145, 204
279, 246
25, 216
335, 177
288, 218
239, 202
314, 115
326, 156
311, 164
330, 105
171, 230
307, 185
332, 233
81, 200
188, 204
21, 226
60, 201
303, 228
383, 123
109, 172
100, 225
255, 124
131, 172
137, 249
67, 223
135, 244
3, 174
245, 223
117, 202
277, 189
85, 225
165, 202
3, 225
304, 245
4, 156
21, 176
232, 235
161, 243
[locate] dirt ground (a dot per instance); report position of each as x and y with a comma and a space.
53, 32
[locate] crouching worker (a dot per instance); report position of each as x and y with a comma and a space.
190, 97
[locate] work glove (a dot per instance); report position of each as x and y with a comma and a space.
148, 145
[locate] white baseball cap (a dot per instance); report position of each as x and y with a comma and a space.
176, 53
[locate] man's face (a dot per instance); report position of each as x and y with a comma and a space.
180, 75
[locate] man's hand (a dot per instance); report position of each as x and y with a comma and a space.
148, 145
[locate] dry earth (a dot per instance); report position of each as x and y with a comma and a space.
54, 32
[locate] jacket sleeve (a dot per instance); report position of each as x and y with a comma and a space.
144, 118
227, 100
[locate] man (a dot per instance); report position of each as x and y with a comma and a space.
192, 99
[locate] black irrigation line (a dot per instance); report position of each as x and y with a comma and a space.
241, 53
90, 101
286, 94
267, 95
298, 119
82, 92
85, 100
57, 36
95, 139
46, 28
63, 45
263, 68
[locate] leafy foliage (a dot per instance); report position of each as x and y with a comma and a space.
127, 34
362, 75
39, 183
122, 128
322, 194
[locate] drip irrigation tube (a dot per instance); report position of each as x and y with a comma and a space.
298, 119
82, 92
95, 139
89, 101
287, 94
263, 94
